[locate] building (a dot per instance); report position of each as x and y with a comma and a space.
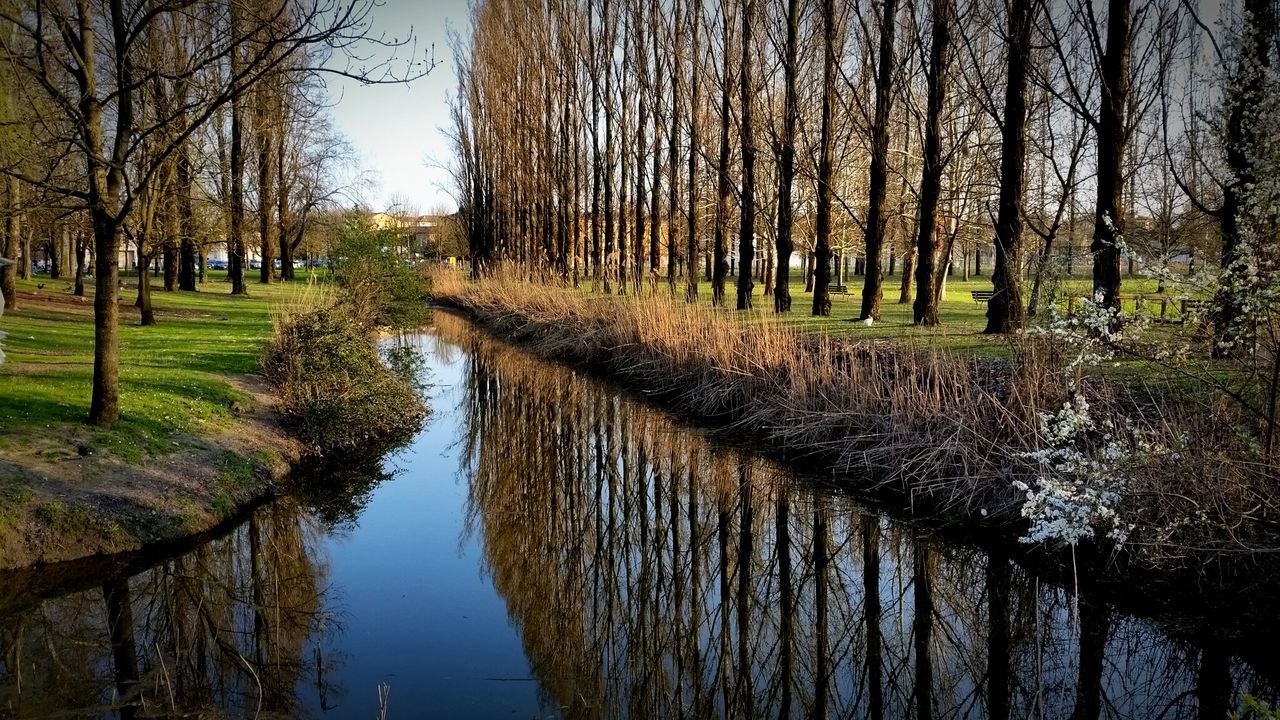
419, 235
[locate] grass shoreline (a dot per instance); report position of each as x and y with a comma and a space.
200, 437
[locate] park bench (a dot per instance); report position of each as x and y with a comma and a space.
841, 289
1184, 304
981, 296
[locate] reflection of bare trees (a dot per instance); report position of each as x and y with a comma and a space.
231, 625
654, 575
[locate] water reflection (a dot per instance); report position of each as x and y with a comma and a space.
230, 625
645, 572
653, 574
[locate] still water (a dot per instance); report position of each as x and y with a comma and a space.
548, 546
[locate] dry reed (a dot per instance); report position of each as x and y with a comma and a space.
948, 433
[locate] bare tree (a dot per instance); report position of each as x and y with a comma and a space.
878, 178
86, 64
1004, 309
822, 252
925, 308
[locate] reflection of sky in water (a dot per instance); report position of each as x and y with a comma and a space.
417, 612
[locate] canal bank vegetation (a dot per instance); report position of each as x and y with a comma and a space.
337, 391
771, 595
223, 399
1014, 443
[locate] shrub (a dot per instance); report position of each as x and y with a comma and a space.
335, 391
381, 288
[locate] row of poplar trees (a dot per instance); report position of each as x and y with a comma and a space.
164, 121
625, 140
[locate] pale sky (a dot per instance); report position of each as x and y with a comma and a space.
396, 129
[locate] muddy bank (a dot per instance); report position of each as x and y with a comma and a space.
61, 500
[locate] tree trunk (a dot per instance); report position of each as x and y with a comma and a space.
283, 212
24, 250
643, 96
1112, 141
719, 265
1004, 309
695, 20
103, 203
235, 229
607, 170
822, 251
596, 275
80, 252
626, 141
169, 259
12, 230
1246, 90
925, 309
747, 224
879, 175
787, 162
147, 315
673, 154
104, 408
53, 257
908, 276
1042, 266
655, 94
268, 142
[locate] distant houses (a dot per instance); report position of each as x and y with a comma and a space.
420, 236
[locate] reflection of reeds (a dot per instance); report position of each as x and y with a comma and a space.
652, 574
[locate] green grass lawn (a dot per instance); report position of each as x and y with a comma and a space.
172, 374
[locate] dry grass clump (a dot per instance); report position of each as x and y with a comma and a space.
949, 433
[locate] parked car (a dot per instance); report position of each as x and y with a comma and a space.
216, 264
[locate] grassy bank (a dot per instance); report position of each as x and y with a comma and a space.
197, 436
946, 431
173, 376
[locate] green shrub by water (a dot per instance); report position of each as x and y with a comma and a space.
336, 393
380, 287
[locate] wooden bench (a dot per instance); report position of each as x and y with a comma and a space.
981, 296
841, 289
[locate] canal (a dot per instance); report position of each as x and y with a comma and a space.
550, 546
